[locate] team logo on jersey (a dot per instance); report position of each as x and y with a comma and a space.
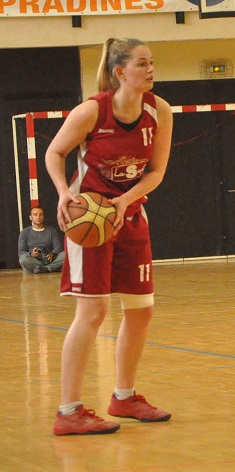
123, 169
121, 173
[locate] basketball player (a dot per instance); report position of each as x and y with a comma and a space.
120, 131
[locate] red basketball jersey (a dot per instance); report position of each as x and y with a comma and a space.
113, 159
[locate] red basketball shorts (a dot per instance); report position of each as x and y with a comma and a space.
122, 265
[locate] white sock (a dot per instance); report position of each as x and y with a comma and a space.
69, 408
123, 393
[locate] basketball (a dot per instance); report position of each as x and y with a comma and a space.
92, 220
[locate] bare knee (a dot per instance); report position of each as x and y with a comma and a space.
92, 310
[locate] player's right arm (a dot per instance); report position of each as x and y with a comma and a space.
79, 123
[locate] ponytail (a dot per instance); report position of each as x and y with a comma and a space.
104, 80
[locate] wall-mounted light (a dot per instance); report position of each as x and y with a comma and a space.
215, 69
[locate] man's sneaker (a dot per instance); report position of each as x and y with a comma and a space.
83, 422
136, 407
40, 270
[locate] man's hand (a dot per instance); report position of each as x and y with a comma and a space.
49, 257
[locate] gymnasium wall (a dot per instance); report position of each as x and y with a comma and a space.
174, 60
178, 49
55, 31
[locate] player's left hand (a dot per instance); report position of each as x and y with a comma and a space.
120, 205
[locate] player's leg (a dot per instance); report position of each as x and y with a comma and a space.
78, 343
72, 417
137, 303
133, 257
130, 344
80, 276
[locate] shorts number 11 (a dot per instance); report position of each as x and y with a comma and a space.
144, 272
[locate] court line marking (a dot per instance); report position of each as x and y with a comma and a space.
148, 343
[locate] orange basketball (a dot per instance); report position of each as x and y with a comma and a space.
92, 220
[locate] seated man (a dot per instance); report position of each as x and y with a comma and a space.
39, 247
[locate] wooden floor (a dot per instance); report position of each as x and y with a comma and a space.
188, 368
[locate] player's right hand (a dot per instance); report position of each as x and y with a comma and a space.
63, 215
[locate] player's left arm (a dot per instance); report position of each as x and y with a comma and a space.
157, 164
161, 141
161, 152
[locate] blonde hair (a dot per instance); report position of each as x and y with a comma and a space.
115, 52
